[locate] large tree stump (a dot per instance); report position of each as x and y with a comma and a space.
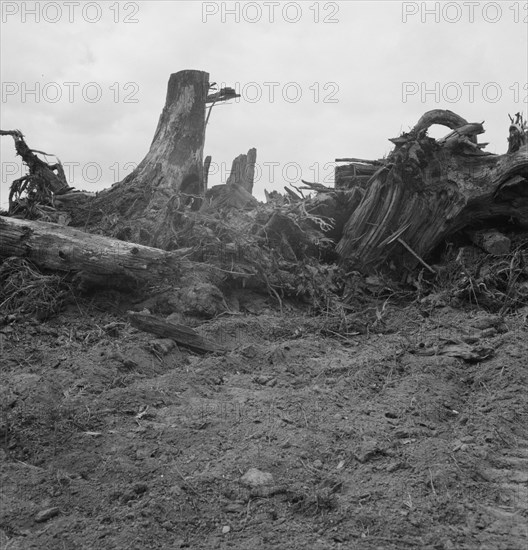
174, 162
428, 190
173, 168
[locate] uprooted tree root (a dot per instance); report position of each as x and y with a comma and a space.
26, 291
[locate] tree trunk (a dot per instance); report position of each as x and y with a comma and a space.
428, 190
175, 160
173, 167
95, 259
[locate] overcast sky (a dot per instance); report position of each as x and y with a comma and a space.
319, 80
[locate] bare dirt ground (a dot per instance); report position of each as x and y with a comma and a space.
377, 441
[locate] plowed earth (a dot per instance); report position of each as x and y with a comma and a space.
377, 441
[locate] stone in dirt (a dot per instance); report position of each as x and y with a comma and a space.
492, 241
484, 322
45, 515
256, 478
368, 451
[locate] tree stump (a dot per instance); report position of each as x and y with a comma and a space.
173, 169
243, 170
236, 193
428, 190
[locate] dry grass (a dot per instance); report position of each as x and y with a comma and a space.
496, 283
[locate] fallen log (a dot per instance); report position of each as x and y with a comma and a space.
94, 259
356, 174
181, 334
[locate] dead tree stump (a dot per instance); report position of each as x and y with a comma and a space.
429, 189
172, 170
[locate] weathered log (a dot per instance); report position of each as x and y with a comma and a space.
360, 161
355, 174
181, 334
430, 189
314, 186
95, 259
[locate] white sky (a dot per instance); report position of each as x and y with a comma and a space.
349, 74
